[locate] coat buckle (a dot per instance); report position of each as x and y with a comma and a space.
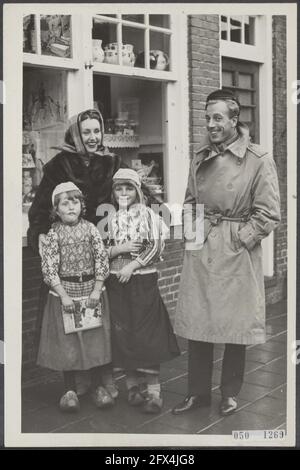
215, 219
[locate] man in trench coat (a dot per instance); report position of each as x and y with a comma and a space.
221, 297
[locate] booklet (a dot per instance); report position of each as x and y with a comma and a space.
84, 318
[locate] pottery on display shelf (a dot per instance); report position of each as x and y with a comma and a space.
98, 52
111, 54
159, 60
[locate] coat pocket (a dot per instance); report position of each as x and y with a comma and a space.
235, 239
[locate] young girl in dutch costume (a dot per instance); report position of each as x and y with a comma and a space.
75, 265
142, 335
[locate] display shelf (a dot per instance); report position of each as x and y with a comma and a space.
121, 141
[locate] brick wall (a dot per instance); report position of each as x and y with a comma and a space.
278, 290
204, 70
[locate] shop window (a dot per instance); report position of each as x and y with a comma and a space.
47, 35
242, 78
143, 40
56, 35
134, 127
134, 18
44, 125
238, 29
29, 34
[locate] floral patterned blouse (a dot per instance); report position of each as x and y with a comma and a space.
138, 223
73, 250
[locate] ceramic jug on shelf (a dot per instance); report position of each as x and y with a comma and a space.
98, 52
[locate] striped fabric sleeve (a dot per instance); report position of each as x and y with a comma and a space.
155, 247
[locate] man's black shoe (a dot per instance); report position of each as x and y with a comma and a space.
191, 402
228, 406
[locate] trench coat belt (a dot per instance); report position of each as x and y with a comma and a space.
216, 219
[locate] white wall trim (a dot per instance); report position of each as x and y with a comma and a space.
177, 116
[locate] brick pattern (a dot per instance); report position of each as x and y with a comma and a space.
204, 70
278, 291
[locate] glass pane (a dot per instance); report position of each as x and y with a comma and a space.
245, 97
159, 51
235, 29
133, 45
134, 18
224, 27
44, 125
246, 114
245, 80
104, 37
163, 21
249, 30
29, 34
109, 16
56, 35
227, 78
134, 124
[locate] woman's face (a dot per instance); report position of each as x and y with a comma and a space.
91, 134
68, 209
125, 194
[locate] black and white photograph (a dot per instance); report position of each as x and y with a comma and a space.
150, 224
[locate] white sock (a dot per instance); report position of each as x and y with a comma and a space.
154, 389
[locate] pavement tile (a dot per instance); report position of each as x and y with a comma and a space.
167, 373
278, 366
274, 329
273, 346
267, 405
93, 424
283, 426
178, 386
282, 338
249, 366
281, 321
279, 393
243, 421
158, 428
260, 355
266, 379
182, 362
251, 392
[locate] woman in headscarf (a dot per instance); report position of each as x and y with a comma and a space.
82, 160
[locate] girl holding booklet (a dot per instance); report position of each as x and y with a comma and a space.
74, 266
142, 335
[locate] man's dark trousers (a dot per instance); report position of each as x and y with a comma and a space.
200, 368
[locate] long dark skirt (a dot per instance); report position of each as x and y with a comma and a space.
141, 331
